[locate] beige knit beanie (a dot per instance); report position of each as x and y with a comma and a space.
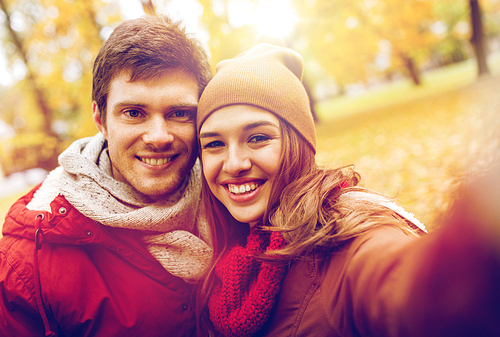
265, 76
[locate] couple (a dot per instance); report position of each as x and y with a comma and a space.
120, 238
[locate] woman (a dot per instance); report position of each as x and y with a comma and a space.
300, 250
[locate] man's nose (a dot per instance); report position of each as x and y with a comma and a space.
158, 133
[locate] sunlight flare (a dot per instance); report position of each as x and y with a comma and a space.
272, 18
275, 18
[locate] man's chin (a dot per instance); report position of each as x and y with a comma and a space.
156, 192
158, 187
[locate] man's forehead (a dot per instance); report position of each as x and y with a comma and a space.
137, 75
174, 87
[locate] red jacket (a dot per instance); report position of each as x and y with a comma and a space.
84, 279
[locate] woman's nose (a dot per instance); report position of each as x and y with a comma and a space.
237, 161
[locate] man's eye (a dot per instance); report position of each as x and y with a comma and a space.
133, 113
213, 144
182, 114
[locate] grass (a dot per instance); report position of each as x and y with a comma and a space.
434, 82
417, 143
409, 142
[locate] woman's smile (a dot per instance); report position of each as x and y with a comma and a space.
244, 192
243, 188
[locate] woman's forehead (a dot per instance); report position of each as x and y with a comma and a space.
239, 115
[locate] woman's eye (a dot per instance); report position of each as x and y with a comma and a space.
214, 144
133, 113
258, 138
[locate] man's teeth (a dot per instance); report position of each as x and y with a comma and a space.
156, 161
240, 189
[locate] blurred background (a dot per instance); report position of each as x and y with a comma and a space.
406, 90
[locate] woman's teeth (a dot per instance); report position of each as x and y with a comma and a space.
244, 188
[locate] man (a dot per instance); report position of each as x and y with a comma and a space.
109, 244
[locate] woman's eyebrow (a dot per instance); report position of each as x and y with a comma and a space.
208, 134
245, 128
257, 124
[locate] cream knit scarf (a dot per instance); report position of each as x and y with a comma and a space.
85, 179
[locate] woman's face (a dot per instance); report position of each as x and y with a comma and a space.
240, 151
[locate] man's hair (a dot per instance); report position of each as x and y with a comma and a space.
146, 47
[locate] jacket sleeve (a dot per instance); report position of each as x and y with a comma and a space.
18, 311
446, 283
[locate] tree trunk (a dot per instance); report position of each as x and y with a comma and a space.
50, 162
412, 69
477, 38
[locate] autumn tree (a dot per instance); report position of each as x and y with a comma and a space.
354, 40
226, 39
35, 87
56, 41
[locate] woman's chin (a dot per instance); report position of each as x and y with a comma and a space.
251, 220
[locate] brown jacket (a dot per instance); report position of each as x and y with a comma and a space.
385, 283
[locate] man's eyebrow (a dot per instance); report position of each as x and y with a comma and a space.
128, 103
191, 106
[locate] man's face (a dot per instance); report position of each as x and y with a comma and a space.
150, 129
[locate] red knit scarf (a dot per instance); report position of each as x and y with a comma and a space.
246, 290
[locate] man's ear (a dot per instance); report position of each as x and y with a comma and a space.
96, 115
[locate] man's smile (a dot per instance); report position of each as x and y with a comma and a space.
157, 161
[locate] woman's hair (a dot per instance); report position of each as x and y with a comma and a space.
304, 205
